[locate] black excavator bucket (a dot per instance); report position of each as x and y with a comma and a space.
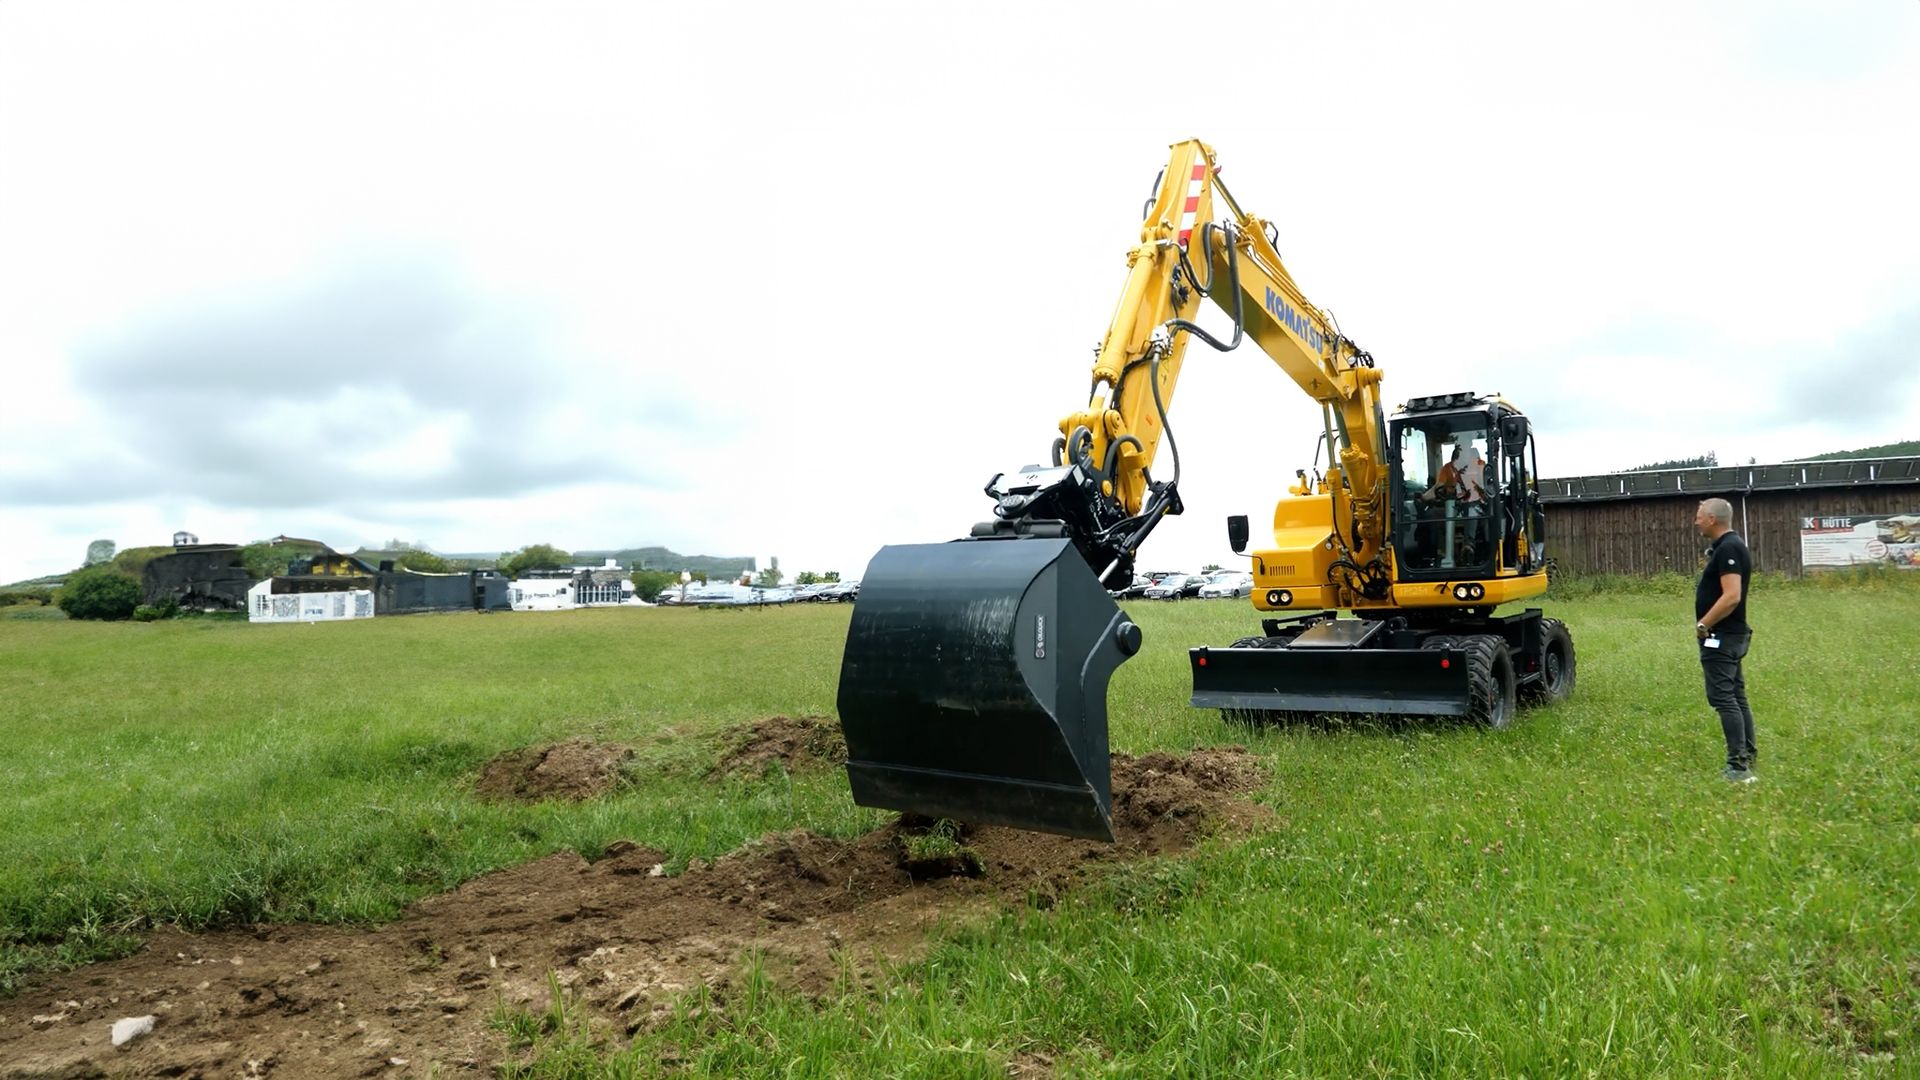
974, 685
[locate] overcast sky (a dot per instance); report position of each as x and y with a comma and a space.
797, 279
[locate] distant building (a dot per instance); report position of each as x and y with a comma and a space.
327, 562
400, 591
184, 539
197, 577
403, 591
542, 594
602, 585
1642, 522
606, 585
269, 602
214, 577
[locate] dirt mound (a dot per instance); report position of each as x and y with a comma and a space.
1151, 791
623, 938
576, 769
797, 743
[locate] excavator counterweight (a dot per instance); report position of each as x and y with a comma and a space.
974, 684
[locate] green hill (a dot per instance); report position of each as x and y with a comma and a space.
660, 558
635, 558
1898, 449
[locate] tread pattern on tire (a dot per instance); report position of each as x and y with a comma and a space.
1490, 689
1553, 632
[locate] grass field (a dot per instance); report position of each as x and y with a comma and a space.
1578, 895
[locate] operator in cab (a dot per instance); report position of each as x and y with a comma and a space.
1463, 477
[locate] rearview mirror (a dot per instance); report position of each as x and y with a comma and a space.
1513, 434
1237, 533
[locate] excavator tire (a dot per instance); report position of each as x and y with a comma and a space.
1557, 666
1489, 680
1490, 677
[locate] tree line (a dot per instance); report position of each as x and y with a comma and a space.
108, 585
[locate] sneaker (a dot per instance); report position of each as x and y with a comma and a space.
1740, 776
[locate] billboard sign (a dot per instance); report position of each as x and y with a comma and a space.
1835, 541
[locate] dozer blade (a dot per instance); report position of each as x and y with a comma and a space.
1311, 680
974, 685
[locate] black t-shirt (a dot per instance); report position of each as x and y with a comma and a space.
1727, 555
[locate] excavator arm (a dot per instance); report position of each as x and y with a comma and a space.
1101, 485
1239, 268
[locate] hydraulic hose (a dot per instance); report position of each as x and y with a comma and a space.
1079, 447
1113, 454
1233, 281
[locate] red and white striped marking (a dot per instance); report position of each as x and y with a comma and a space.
1193, 201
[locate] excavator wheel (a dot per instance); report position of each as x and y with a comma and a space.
1556, 666
1489, 680
1490, 677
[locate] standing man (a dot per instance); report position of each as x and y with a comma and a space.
1720, 623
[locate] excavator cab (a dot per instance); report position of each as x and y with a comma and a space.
974, 684
1461, 488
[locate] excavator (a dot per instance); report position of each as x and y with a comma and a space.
973, 685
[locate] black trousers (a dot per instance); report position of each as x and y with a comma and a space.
1727, 693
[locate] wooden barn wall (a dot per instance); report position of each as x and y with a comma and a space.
1646, 536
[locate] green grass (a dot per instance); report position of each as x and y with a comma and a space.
204, 772
1577, 895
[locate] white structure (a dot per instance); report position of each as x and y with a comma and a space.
592, 594
597, 586
184, 538
265, 605
542, 594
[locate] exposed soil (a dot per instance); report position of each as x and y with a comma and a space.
576, 769
797, 744
313, 1001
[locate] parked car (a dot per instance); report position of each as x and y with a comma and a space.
1141, 583
1231, 583
839, 592
727, 594
1172, 587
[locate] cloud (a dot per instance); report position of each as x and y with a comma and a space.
382, 380
1870, 376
